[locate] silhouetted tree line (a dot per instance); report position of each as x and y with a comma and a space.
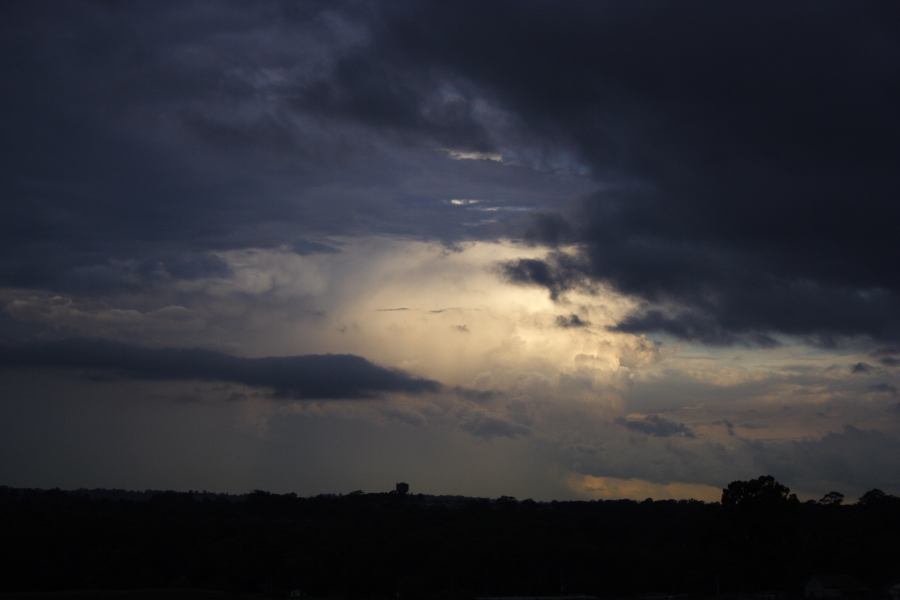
760, 537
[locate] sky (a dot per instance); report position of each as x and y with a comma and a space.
552, 250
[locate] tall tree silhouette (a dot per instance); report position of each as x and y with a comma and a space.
762, 491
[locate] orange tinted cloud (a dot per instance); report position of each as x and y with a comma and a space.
612, 488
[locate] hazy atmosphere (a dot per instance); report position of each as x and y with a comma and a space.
553, 250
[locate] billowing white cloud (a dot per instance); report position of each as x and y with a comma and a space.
609, 413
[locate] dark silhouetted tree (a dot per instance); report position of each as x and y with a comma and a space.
874, 497
832, 499
762, 491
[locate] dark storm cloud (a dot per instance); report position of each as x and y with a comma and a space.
729, 426
305, 247
489, 426
861, 367
887, 356
385, 96
689, 325
854, 457
99, 187
745, 154
884, 388
141, 138
572, 321
320, 376
549, 229
656, 426
557, 277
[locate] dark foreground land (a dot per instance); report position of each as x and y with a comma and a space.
174, 545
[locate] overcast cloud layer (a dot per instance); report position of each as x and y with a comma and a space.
645, 247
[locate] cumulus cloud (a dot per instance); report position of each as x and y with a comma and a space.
239, 161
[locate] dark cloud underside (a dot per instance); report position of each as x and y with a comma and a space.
318, 376
571, 321
139, 138
744, 155
746, 152
656, 426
